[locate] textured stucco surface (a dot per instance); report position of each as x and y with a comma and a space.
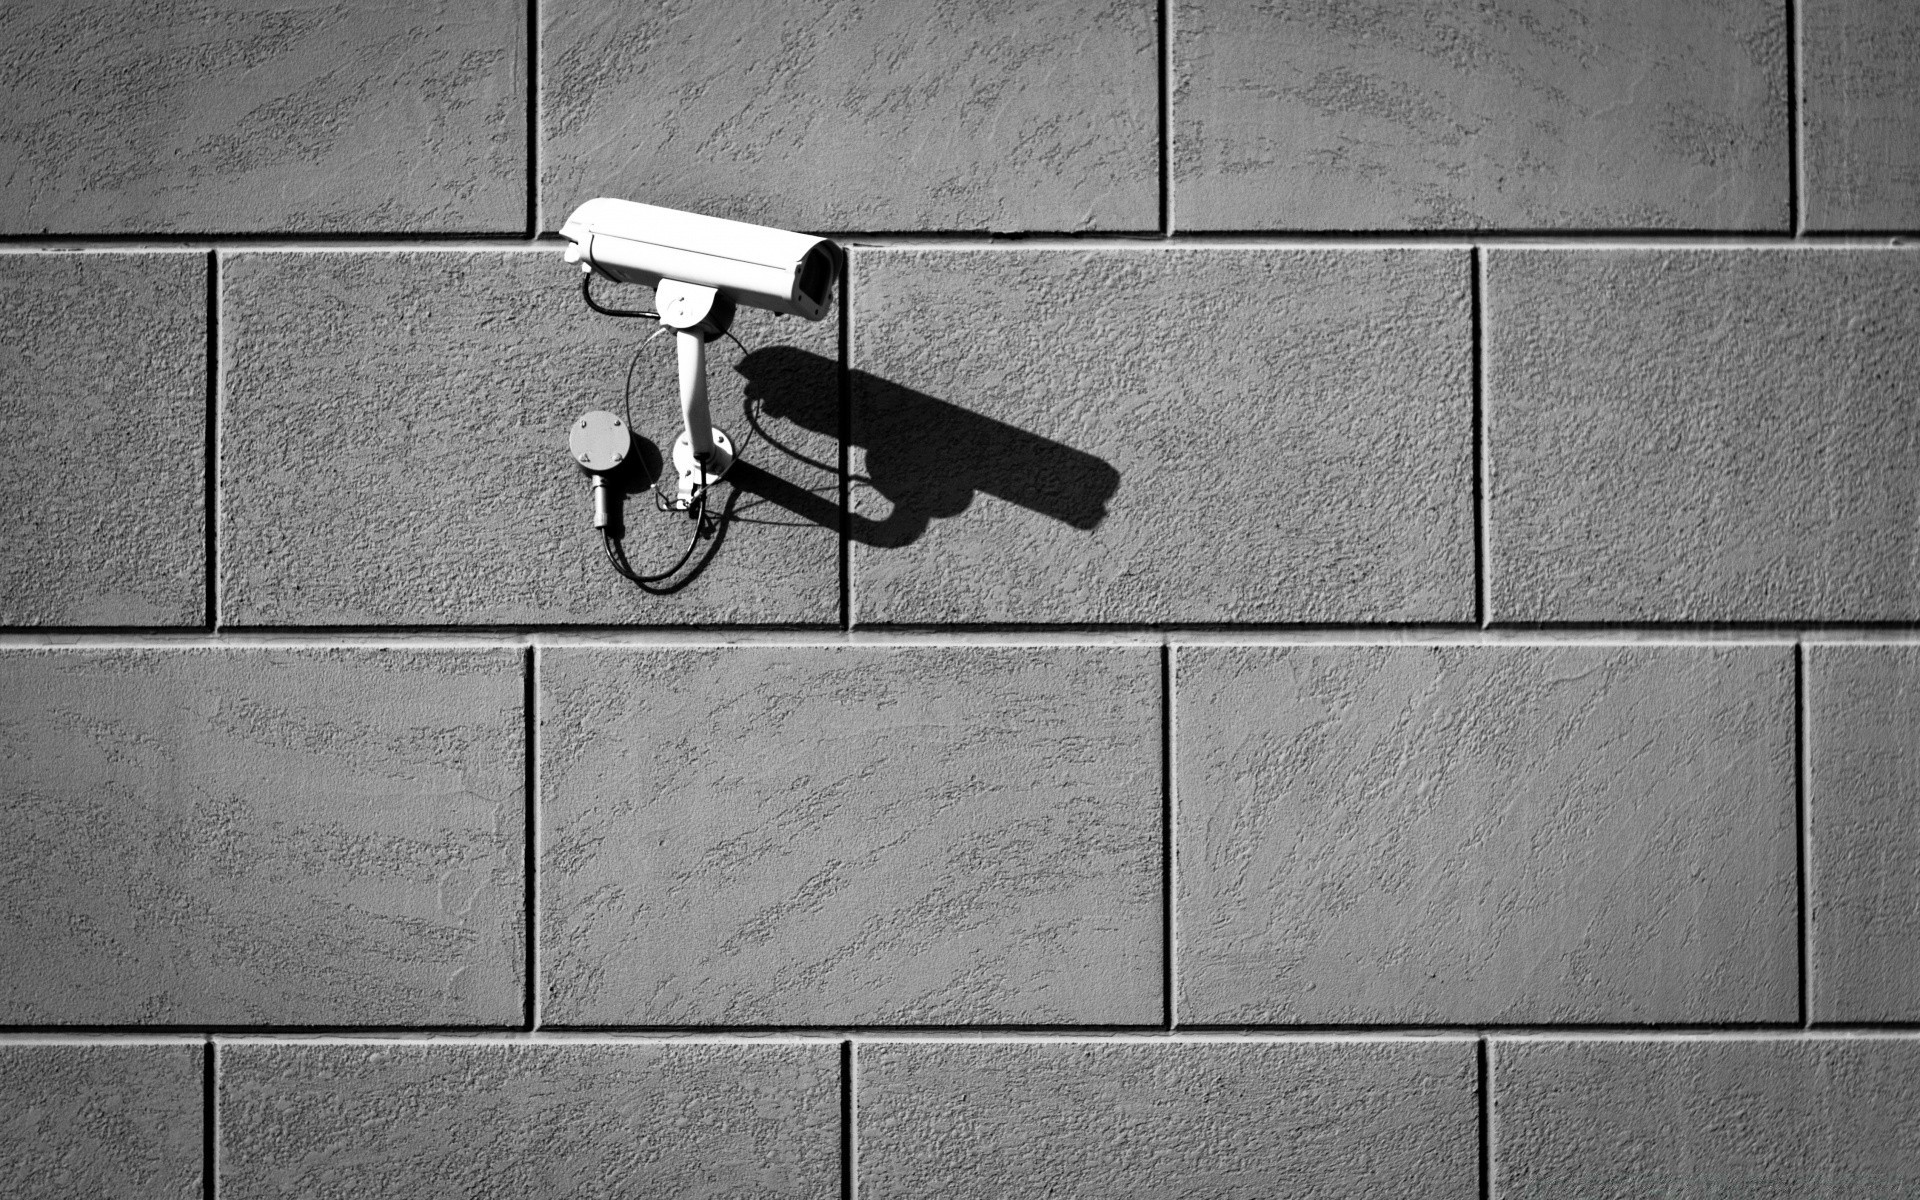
1381, 564
1703, 435
761, 836
1860, 60
1863, 814
1525, 835
288, 837
820, 114
103, 401
1772, 1119
252, 115
1114, 435
546, 1122
1220, 1120
394, 449
1536, 114
89, 1122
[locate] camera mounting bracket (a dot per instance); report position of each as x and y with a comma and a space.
697, 315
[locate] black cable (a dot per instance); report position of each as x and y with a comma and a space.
617, 555
704, 523
586, 293
662, 501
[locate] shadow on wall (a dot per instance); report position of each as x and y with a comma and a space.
926, 457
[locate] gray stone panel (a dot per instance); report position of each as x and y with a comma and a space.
286, 837
1215, 1119
1703, 434
1761, 1119
87, 1122
233, 116
423, 1122
394, 449
911, 115
1485, 835
842, 836
1149, 435
1861, 63
1863, 805
103, 397
1410, 114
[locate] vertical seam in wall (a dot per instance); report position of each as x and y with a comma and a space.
845, 459
533, 118
1169, 832
1165, 49
1484, 1067
849, 1181
210, 486
530, 705
1796, 171
1477, 332
1803, 833
209, 1121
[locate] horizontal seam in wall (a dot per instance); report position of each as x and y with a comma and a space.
275, 244
158, 1038
1636, 240
477, 639
1144, 243
812, 1037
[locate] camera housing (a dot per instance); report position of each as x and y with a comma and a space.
767, 268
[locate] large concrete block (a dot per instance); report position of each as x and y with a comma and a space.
544, 1122
1765, 1119
1539, 114
840, 836
1703, 435
1486, 835
1151, 1119
1149, 435
1860, 60
85, 1122
263, 115
394, 449
1863, 804
103, 396
912, 115
261, 837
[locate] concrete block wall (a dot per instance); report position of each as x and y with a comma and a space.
1336, 611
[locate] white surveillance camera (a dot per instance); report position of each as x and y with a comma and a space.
700, 267
766, 268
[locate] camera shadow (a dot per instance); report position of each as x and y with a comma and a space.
926, 457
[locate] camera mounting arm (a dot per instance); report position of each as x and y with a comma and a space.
697, 315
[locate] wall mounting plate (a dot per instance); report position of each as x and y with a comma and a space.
688, 469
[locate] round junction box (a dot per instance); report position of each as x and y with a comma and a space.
600, 441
